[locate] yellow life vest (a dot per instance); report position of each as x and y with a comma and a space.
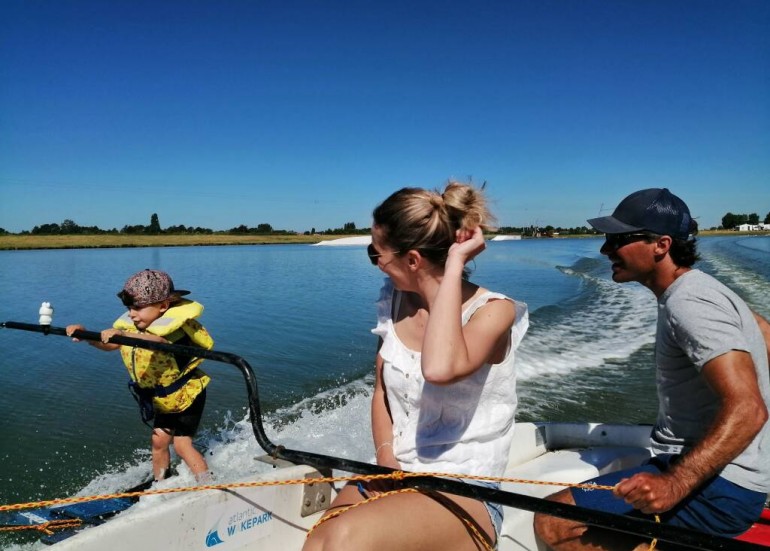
150, 368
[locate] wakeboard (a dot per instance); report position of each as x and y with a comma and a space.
89, 514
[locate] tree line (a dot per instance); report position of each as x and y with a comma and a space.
69, 227
730, 220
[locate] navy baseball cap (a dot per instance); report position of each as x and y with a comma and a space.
655, 210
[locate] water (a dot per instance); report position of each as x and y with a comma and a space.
301, 315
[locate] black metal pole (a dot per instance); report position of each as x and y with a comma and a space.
191, 351
619, 523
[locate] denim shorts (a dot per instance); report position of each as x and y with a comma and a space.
718, 507
495, 510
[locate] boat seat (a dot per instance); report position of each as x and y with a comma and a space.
570, 466
759, 533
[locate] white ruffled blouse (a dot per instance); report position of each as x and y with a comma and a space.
462, 428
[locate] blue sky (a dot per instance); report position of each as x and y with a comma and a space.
308, 114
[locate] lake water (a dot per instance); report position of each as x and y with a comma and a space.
301, 316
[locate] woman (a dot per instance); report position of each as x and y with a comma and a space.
445, 388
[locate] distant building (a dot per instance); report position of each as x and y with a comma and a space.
753, 227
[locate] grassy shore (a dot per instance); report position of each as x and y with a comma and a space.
27, 242
23, 242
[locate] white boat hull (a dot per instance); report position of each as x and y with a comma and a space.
270, 518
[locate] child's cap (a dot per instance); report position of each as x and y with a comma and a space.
148, 287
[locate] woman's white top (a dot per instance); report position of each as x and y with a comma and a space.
465, 427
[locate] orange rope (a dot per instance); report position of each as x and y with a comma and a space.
654, 541
46, 527
395, 475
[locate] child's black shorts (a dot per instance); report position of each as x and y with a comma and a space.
184, 423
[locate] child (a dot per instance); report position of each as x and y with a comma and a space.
170, 388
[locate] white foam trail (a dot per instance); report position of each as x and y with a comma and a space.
343, 429
618, 322
752, 286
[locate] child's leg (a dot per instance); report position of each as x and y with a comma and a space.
184, 448
186, 425
161, 458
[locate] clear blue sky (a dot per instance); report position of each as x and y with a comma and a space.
307, 114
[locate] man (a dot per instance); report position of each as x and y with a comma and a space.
711, 442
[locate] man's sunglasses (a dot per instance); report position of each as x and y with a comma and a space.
615, 241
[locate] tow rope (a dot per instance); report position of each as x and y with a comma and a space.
49, 526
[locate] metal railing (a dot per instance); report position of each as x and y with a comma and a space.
619, 523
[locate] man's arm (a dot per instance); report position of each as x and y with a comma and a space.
764, 326
742, 414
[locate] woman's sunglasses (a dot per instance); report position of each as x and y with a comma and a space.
373, 255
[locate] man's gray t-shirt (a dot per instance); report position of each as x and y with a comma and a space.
700, 319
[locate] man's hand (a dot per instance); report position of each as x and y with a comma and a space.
652, 493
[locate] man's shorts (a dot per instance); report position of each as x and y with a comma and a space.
719, 507
183, 423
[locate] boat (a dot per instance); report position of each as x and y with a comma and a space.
275, 509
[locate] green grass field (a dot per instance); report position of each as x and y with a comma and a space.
25, 242
11, 242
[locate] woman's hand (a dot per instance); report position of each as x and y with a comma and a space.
370, 488
468, 244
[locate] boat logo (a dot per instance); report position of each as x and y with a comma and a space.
232, 523
212, 538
